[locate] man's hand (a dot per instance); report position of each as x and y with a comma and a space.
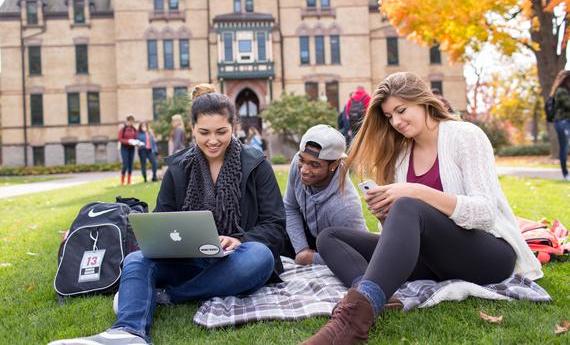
305, 257
229, 243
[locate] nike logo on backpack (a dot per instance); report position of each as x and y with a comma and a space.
93, 214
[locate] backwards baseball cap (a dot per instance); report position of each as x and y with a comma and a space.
332, 143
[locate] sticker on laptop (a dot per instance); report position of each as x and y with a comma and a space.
209, 249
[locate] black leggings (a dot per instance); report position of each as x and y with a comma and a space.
417, 242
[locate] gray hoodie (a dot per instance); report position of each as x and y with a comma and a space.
323, 209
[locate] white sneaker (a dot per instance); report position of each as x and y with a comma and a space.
109, 337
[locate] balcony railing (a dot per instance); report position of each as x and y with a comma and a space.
249, 70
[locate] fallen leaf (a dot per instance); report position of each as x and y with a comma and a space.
33, 226
562, 327
491, 319
5, 264
32, 254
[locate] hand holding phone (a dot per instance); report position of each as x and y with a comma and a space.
367, 185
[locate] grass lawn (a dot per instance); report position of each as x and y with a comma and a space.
31, 228
13, 180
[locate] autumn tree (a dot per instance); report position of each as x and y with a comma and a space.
463, 27
518, 102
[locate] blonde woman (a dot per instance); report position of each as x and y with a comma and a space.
177, 140
443, 211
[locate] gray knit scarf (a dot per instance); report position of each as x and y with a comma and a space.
223, 197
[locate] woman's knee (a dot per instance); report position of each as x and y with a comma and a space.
135, 260
257, 259
327, 238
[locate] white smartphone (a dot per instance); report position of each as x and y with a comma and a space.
367, 185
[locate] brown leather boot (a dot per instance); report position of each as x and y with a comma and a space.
122, 179
349, 324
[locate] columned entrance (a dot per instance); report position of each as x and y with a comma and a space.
247, 107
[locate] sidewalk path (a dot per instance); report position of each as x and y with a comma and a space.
61, 181
545, 173
69, 180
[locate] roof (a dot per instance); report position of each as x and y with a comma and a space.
244, 17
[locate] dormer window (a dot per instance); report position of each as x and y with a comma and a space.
79, 11
32, 12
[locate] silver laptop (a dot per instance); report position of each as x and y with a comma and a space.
188, 234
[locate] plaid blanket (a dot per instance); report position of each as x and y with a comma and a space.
308, 291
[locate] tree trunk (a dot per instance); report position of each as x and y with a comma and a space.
547, 61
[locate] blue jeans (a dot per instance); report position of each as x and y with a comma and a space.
563, 130
244, 271
128, 158
145, 153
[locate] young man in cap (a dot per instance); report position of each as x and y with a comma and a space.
313, 199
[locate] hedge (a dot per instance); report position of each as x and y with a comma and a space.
64, 169
525, 150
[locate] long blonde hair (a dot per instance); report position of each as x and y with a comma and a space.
559, 80
377, 145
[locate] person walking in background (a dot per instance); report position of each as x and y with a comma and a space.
561, 93
147, 150
239, 133
177, 140
343, 124
356, 107
437, 93
128, 140
254, 139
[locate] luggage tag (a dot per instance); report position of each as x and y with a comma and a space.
90, 269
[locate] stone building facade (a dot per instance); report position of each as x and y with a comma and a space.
76, 68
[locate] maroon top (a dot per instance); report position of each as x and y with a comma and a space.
430, 178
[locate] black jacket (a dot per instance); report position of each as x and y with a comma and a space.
262, 211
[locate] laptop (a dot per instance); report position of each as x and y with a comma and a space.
187, 234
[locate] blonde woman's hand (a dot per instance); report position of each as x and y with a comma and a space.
229, 243
381, 198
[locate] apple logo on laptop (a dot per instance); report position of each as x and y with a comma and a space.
175, 236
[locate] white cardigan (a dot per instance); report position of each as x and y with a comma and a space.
467, 170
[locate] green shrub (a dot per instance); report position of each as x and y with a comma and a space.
525, 150
279, 159
65, 169
495, 131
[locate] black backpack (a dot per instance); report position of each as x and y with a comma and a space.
550, 109
90, 258
355, 115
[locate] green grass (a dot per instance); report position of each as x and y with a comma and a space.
14, 180
31, 229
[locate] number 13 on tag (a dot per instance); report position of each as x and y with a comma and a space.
90, 269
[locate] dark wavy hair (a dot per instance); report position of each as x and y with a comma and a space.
206, 101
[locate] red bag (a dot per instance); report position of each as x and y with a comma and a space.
544, 242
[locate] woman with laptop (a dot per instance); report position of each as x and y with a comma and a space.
238, 186
443, 211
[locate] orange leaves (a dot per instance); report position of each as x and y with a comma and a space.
562, 327
461, 26
491, 319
